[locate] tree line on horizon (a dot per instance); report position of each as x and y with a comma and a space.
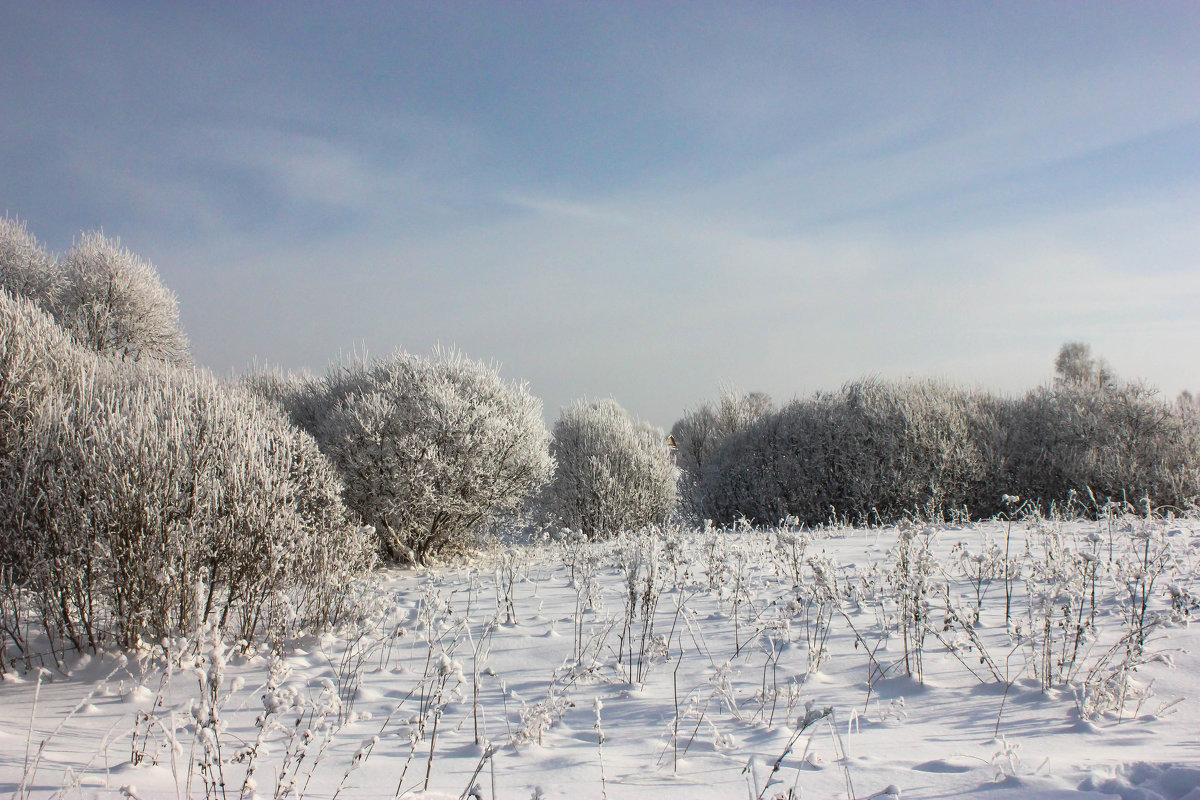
877, 451
141, 496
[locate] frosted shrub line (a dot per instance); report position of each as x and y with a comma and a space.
147, 505
878, 453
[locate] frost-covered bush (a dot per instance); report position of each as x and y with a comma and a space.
281, 389
1091, 437
303, 397
38, 361
868, 452
26, 269
39, 364
109, 299
1188, 403
115, 303
877, 452
613, 473
430, 449
700, 431
144, 500
769, 470
1102, 440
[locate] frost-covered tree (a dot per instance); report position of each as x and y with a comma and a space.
140, 500
1076, 365
115, 303
701, 431
26, 269
613, 473
429, 449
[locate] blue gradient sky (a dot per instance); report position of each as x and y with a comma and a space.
641, 200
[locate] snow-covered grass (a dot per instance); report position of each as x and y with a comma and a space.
1036, 658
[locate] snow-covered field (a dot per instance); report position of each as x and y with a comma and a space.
694, 664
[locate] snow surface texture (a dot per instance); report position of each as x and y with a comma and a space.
702, 664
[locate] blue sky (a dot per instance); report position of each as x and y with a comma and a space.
642, 200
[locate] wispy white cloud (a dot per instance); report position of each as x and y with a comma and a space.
658, 306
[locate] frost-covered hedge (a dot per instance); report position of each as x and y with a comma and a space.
613, 473
871, 450
1095, 442
139, 501
877, 451
430, 449
701, 432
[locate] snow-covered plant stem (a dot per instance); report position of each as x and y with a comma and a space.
811, 716
506, 580
137, 753
447, 669
910, 578
473, 790
1150, 556
583, 566
31, 765
480, 647
273, 704
643, 586
875, 670
818, 601
598, 706
1007, 574
206, 714
360, 757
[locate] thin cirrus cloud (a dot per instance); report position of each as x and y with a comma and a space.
634, 200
